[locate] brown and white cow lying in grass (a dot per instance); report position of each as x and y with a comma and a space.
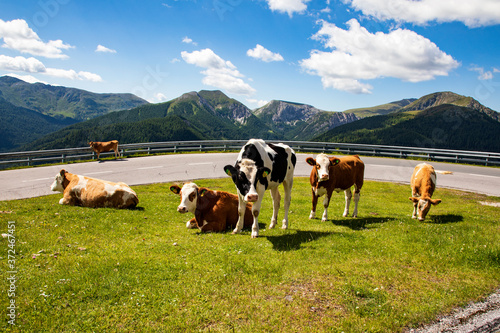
213, 210
101, 147
423, 184
89, 192
335, 174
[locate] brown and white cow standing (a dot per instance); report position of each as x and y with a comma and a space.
335, 174
101, 147
90, 192
423, 184
213, 210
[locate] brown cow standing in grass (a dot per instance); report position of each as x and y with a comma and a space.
213, 210
90, 192
423, 184
101, 147
335, 174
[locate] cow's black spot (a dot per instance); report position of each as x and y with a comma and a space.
251, 152
280, 163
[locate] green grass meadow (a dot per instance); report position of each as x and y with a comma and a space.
105, 270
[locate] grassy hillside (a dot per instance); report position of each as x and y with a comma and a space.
381, 109
58, 101
444, 126
106, 270
189, 117
19, 126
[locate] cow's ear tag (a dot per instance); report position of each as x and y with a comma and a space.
228, 172
265, 173
336, 161
174, 189
203, 191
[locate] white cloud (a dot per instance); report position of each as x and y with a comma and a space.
218, 72
483, 75
471, 13
159, 97
258, 102
26, 78
104, 49
358, 55
17, 35
260, 52
188, 40
32, 65
288, 6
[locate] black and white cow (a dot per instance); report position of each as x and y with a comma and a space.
261, 166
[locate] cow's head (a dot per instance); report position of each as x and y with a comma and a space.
60, 181
91, 144
189, 193
247, 177
424, 205
322, 166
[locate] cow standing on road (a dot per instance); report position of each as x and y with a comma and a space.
261, 166
335, 174
101, 147
213, 210
423, 184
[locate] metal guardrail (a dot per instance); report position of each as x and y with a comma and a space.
30, 158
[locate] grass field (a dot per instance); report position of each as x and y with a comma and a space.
105, 270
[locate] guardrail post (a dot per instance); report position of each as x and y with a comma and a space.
175, 148
93, 155
149, 150
29, 160
63, 158
201, 147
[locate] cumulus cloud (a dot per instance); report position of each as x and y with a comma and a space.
26, 78
188, 40
358, 55
288, 6
260, 52
471, 13
104, 49
17, 35
32, 65
218, 72
258, 102
484, 75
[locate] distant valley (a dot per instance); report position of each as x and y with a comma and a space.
53, 117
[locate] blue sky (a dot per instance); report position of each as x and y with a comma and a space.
334, 55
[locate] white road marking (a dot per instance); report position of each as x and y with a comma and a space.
473, 174
36, 180
204, 163
97, 173
151, 167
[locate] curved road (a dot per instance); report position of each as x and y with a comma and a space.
32, 182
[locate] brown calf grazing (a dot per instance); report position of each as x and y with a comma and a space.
101, 147
335, 174
213, 210
423, 184
91, 192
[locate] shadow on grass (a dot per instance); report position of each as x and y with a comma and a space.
293, 240
444, 219
361, 223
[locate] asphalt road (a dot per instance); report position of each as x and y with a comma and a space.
32, 182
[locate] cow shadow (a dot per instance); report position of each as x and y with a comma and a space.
361, 223
444, 219
293, 240
112, 160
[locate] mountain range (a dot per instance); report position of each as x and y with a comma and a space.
439, 120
